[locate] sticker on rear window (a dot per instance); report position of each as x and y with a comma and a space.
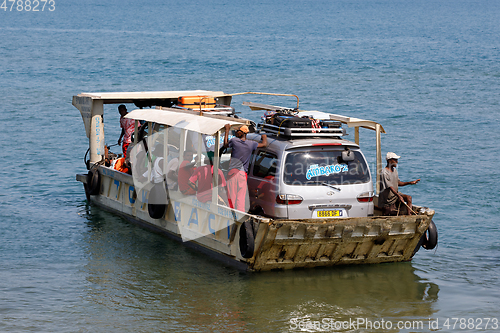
210, 140
316, 170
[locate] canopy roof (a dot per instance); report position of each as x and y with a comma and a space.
200, 124
131, 97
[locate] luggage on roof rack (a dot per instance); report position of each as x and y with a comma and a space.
295, 118
289, 123
286, 120
330, 124
330, 129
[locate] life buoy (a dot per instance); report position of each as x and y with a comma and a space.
93, 182
157, 201
246, 239
430, 237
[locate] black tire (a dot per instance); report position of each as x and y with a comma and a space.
156, 211
93, 182
257, 211
158, 195
430, 237
87, 193
419, 245
247, 241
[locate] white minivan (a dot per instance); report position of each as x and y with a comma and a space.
304, 178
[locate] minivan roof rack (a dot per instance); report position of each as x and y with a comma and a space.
301, 132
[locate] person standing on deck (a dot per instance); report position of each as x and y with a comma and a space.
128, 126
390, 199
238, 166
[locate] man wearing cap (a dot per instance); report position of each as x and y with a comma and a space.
390, 199
238, 166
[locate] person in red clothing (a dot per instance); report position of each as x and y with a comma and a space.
203, 177
186, 170
122, 165
238, 166
128, 127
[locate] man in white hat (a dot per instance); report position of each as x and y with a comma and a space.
390, 199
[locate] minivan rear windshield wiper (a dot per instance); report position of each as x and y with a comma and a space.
334, 187
324, 184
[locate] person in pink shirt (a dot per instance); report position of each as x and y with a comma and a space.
128, 127
203, 177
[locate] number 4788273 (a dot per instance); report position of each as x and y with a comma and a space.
28, 5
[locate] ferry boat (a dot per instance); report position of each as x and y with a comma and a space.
282, 230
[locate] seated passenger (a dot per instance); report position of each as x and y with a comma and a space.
203, 177
157, 175
186, 170
123, 165
391, 200
172, 173
140, 164
107, 160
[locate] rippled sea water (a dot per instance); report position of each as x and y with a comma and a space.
429, 71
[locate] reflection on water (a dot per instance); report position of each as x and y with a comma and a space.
140, 278
389, 291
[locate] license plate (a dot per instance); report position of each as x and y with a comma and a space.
329, 213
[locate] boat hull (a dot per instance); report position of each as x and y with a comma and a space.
276, 244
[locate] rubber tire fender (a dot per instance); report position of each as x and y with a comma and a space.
156, 211
93, 182
419, 244
430, 237
247, 239
87, 194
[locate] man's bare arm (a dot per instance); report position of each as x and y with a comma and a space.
396, 193
413, 182
227, 127
264, 142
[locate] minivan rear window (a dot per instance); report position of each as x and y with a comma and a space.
265, 165
325, 166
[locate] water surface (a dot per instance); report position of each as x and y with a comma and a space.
428, 71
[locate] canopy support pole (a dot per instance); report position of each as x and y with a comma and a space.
96, 139
199, 151
150, 147
182, 146
379, 157
215, 178
136, 131
165, 153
